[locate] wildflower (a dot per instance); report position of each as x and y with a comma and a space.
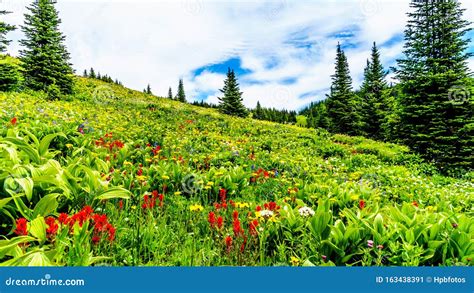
324, 257
69, 146
140, 172
164, 177
141, 178
211, 219
21, 227
361, 204
306, 212
354, 197
380, 246
455, 225
237, 228
264, 214
111, 230
253, 227
228, 243
63, 218
52, 226
294, 261
196, 208
242, 205
370, 243
258, 208
95, 239
222, 194
120, 204
414, 203
177, 193
235, 215
13, 121
220, 222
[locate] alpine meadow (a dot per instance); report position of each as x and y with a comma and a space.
374, 170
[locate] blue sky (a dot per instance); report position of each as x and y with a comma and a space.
282, 50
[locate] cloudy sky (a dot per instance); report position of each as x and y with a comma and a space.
282, 50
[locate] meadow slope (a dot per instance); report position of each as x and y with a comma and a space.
173, 184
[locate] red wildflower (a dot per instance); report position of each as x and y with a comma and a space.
220, 222
232, 203
258, 208
415, 204
224, 205
217, 206
161, 198
237, 228
100, 222
253, 227
111, 229
242, 247
212, 219
222, 194
13, 121
235, 215
95, 239
63, 218
139, 172
362, 204
21, 227
52, 226
120, 204
228, 243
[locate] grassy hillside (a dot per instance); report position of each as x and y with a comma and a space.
174, 184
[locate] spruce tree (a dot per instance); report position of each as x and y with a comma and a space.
433, 73
181, 96
258, 111
5, 28
45, 57
342, 103
92, 73
374, 108
170, 93
232, 103
148, 90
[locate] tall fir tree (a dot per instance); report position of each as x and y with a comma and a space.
432, 73
342, 104
181, 96
232, 103
5, 28
148, 90
374, 107
170, 93
92, 73
45, 57
258, 111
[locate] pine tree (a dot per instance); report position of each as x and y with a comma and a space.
232, 103
258, 111
170, 93
45, 58
4, 30
374, 108
85, 74
148, 90
432, 73
181, 94
92, 73
342, 103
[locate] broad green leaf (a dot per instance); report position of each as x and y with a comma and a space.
37, 228
114, 192
46, 141
47, 205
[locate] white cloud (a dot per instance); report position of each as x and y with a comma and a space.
158, 42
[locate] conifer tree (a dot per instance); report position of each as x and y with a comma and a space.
148, 89
374, 108
433, 74
45, 57
342, 104
232, 103
5, 28
92, 73
170, 93
258, 111
181, 96
85, 74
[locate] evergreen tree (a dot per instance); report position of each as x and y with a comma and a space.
85, 74
342, 104
181, 94
433, 71
4, 30
148, 90
258, 111
374, 105
92, 73
45, 58
170, 93
232, 103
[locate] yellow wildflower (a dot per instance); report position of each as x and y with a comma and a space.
354, 197
69, 146
196, 208
164, 177
141, 178
294, 261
